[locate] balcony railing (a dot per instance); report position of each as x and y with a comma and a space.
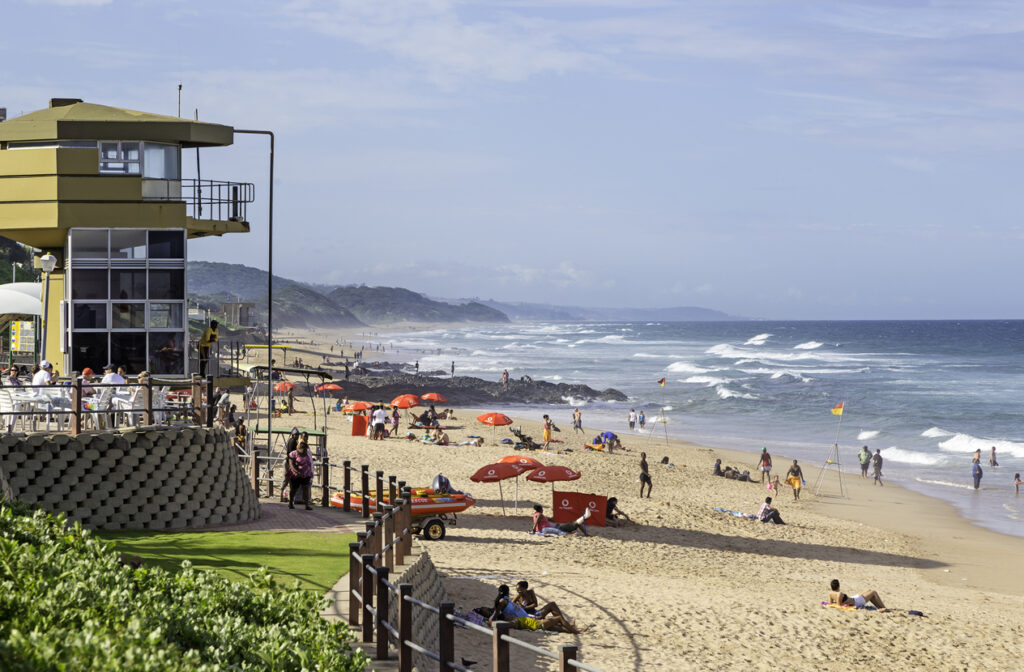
204, 199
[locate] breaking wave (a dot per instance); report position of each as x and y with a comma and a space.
935, 433
809, 345
896, 454
760, 339
868, 435
725, 393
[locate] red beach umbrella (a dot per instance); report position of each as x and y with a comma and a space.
498, 472
406, 401
435, 397
522, 460
356, 406
494, 419
553, 473
330, 387
284, 386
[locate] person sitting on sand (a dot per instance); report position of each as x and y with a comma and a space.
527, 599
541, 524
506, 609
718, 468
439, 437
795, 478
769, 514
612, 512
835, 596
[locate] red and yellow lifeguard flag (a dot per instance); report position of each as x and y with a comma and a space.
662, 382
838, 408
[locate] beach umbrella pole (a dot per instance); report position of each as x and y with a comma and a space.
502, 493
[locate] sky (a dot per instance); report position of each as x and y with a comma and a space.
785, 160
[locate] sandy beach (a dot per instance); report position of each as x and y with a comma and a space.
686, 587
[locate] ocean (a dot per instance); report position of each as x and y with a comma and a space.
927, 393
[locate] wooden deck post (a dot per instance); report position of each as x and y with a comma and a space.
325, 482
346, 506
378, 534
254, 456
499, 647
399, 531
353, 579
380, 491
392, 489
382, 613
210, 408
367, 594
148, 417
389, 535
446, 636
364, 475
565, 654
404, 627
76, 405
407, 523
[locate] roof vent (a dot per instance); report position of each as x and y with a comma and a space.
3, 114
63, 102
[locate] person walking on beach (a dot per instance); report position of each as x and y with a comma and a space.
641, 420
864, 456
300, 472
876, 461
795, 478
577, 420
645, 477
632, 418
765, 464
976, 473
547, 430
992, 458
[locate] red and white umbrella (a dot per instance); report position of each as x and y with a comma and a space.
496, 473
406, 401
552, 473
434, 396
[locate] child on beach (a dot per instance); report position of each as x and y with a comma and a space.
1016, 484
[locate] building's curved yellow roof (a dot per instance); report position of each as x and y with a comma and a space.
72, 119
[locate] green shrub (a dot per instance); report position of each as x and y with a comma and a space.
68, 604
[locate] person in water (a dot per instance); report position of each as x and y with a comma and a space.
1016, 484
835, 596
992, 458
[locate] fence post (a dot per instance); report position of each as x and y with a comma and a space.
392, 489
389, 535
346, 506
380, 491
148, 418
499, 647
378, 533
353, 579
399, 531
364, 475
407, 523
325, 481
76, 405
404, 627
255, 469
382, 613
367, 594
446, 636
565, 654
209, 401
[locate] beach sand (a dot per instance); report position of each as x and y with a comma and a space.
688, 588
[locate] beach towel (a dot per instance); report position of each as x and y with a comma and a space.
833, 605
590, 446
748, 516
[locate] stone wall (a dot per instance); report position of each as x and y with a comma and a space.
428, 588
133, 479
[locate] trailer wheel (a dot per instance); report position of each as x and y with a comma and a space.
434, 529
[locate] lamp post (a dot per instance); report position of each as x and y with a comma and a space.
47, 262
270, 293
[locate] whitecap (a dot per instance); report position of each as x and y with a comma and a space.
758, 340
947, 484
965, 443
868, 435
935, 433
710, 381
791, 374
897, 454
685, 367
725, 393
809, 345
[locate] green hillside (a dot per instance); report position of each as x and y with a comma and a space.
297, 305
380, 305
208, 278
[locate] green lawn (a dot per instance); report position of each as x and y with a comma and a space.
316, 559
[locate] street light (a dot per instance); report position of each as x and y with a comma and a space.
47, 262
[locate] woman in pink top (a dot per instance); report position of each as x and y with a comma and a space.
300, 472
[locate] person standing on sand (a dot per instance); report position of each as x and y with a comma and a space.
577, 420
864, 456
976, 473
764, 464
645, 477
547, 430
795, 478
876, 460
992, 458
632, 418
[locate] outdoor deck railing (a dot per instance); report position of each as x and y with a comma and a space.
71, 406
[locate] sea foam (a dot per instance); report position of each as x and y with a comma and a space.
725, 393
809, 345
685, 367
897, 454
935, 433
710, 381
965, 443
868, 435
758, 340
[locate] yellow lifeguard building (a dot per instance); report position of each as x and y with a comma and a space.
100, 189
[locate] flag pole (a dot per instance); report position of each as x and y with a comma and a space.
840, 424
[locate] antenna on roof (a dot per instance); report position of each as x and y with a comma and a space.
179, 98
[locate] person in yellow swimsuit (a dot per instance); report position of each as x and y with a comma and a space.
795, 478
547, 431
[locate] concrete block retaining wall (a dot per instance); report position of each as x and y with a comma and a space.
428, 588
138, 478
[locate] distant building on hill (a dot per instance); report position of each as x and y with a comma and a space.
100, 189
241, 313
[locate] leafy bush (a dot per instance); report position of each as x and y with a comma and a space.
67, 603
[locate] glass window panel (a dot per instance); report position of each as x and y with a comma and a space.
128, 350
109, 151
167, 244
127, 244
89, 244
165, 315
128, 315
130, 151
89, 350
127, 284
88, 284
167, 284
161, 161
166, 353
90, 316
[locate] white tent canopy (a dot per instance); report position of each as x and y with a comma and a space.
33, 289
19, 301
